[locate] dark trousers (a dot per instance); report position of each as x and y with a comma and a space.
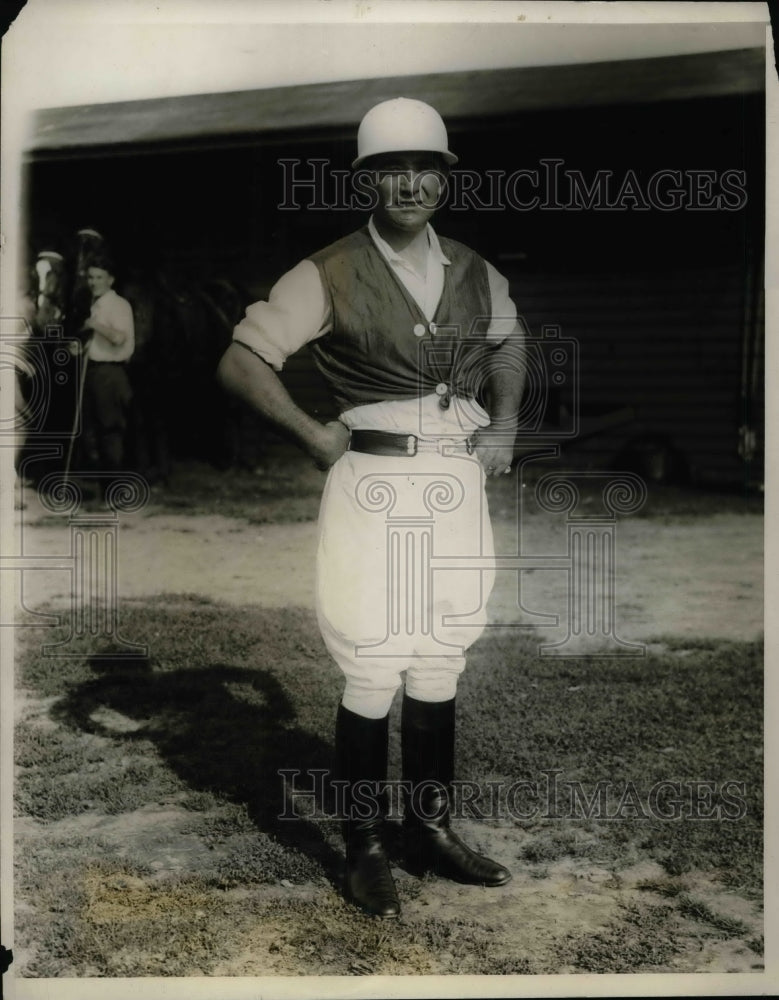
107, 396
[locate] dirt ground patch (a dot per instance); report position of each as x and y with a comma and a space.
701, 577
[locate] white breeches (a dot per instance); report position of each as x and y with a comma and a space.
395, 592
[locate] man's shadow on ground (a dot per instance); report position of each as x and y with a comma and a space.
222, 729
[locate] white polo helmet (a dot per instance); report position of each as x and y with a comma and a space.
402, 125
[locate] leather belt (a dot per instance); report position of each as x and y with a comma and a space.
385, 443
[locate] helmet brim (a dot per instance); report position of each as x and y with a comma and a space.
449, 158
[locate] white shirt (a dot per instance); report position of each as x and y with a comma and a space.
425, 288
298, 311
112, 310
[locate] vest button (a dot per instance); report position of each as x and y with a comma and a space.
419, 330
441, 389
432, 328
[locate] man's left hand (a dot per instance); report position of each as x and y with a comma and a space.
495, 451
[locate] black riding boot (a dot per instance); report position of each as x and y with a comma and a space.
361, 753
427, 732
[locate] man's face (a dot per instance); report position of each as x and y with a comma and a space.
409, 188
99, 281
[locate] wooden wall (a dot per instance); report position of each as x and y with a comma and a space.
667, 344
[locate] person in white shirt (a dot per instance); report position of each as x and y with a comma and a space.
416, 337
107, 391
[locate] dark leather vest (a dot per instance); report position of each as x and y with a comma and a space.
381, 345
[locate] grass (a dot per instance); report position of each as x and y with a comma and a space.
696, 908
663, 887
63, 775
643, 938
645, 720
230, 695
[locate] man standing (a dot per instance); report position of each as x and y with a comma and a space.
417, 339
107, 391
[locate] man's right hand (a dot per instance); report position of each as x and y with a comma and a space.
331, 443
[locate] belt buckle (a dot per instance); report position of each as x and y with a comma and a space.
412, 444
469, 445
444, 443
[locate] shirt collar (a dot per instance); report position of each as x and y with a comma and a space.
433, 245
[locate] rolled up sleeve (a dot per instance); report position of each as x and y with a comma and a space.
296, 313
111, 310
504, 312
